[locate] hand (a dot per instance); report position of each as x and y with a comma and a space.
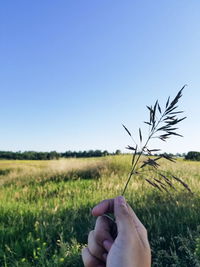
129, 249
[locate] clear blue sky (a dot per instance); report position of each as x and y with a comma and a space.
72, 71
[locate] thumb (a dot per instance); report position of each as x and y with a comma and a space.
122, 215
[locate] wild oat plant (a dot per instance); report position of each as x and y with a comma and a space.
162, 125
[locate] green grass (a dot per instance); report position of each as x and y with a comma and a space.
45, 210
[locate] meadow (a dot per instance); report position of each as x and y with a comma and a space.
45, 210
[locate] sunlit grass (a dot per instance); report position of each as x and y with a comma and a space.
45, 209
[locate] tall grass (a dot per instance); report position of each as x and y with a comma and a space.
45, 210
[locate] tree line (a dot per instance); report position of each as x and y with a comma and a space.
33, 155
193, 155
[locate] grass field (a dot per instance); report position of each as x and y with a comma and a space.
45, 210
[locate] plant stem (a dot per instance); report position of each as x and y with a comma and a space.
140, 154
134, 166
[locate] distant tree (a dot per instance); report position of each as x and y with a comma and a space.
105, 153
193, 155
53, 155
118, 152
97, 153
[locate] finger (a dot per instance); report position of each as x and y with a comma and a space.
102, 230
119, 208
136, 220
124, 219
107, 245
128, 222
89, 260
108, 206
103, 207
140, 228
95, 249
100, 239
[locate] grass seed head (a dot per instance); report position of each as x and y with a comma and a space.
163, 125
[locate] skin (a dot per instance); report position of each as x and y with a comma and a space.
130, 248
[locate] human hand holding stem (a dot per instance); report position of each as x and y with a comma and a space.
122, 241
130, 248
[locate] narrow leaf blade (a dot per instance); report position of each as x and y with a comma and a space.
126, 130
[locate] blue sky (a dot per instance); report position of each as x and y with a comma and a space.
72, 72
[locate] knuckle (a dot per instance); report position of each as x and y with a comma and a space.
125, 212
93, 244
99, 221
100, 218
90, 236
97, 236
124, 208
86, 257
145, 231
